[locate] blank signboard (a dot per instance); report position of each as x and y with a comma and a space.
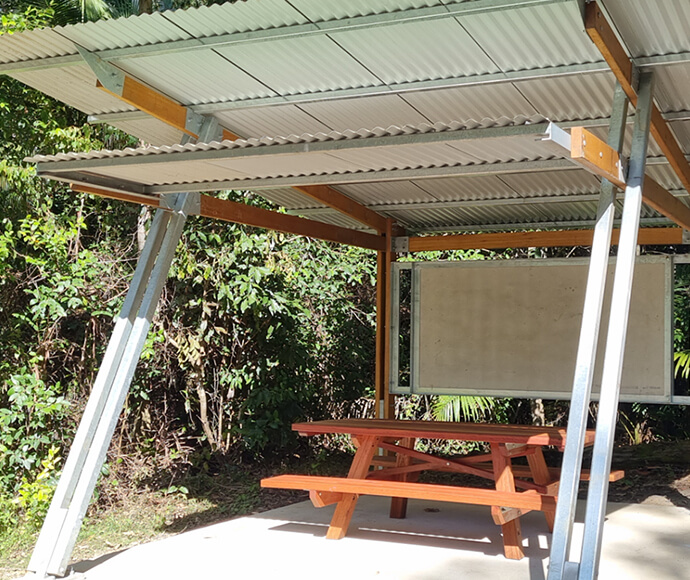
511, 328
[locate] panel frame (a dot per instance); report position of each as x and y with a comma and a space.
416, 267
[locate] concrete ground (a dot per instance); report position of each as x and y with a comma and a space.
437, 541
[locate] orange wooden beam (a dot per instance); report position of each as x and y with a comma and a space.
567, 238
232, 211
157, 105
605, 39
596, 156
665, 203
143, 199
344, 204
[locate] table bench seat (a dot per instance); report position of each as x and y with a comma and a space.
525, 500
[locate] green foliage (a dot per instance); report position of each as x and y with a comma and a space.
31, 412
463, 408
33, 497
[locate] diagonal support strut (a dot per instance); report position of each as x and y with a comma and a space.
87, 454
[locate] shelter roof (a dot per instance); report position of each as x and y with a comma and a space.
469, 84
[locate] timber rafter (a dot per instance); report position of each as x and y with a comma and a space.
241, 213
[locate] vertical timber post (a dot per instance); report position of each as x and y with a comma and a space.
586, 353
617, 333
385, 400
87, 454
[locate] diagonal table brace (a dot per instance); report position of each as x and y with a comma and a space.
87, 454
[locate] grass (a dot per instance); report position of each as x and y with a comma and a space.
143, 513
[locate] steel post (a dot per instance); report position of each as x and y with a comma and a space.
586, 354
615, 341
88, 451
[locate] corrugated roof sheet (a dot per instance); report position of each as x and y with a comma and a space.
123, 32
417, 51
75, 86
219, 19
650, 28
40, 43
533, 37
226, 57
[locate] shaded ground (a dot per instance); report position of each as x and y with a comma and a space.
656, 473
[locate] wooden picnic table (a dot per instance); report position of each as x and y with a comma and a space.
396, 475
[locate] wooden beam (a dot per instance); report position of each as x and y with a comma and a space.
596, 156
232, 211
262, 218
150, 200
603, 36
336, 200
157, 105
565, 239
665, 203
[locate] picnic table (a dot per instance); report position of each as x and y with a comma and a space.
395, 475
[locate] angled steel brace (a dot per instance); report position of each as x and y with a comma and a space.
586, 355
131, 91
615, 340
87, 454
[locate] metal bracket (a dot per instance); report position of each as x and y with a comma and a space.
210, 131
400, 244
170, 201
112, 78
686, 237
559, 138
194, 122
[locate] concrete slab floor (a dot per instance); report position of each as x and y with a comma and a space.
437, 541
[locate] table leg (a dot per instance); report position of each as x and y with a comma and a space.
541, 475
346, 506
503, 475
399, 504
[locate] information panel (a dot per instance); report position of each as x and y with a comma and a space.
511, 328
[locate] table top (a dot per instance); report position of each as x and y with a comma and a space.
487, 432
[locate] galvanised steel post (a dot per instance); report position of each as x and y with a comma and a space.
617, 332
87, 454
586, 354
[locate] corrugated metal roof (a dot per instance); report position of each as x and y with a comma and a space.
121, 32
219, 19
417, 51
381, 193
324, 10
379, 111
650, 28
226, 58
280, 65
221, 80
283, 120
151, 131
570, 98
533, 37
75, 86
672, 87
466, 104
38, 44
